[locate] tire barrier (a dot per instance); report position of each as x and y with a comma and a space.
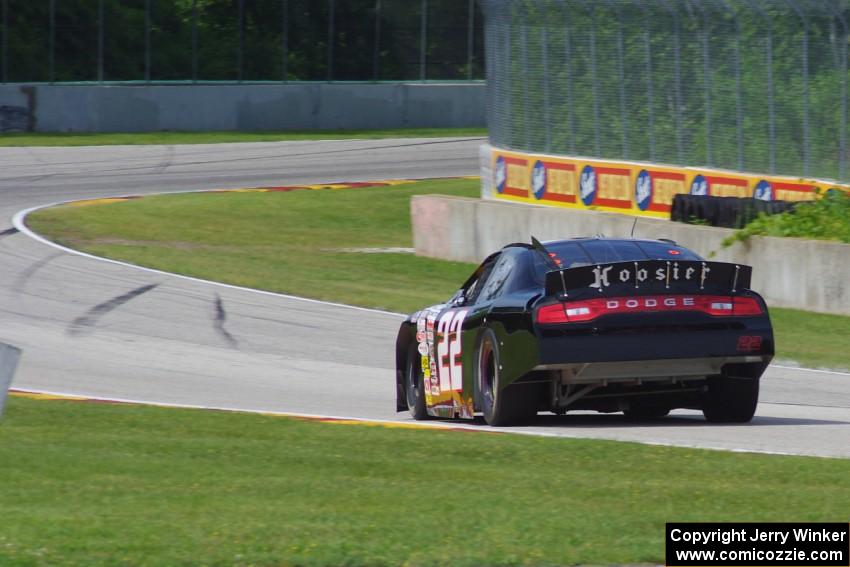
727, 212
9, 356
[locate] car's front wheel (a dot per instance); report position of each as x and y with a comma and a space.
414, 386
730, 399
500, 406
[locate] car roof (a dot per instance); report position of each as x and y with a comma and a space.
579, 239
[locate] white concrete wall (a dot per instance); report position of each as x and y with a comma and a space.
789, 272
291, 106
9, 356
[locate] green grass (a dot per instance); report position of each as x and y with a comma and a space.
107, 139
95, 484
291, 243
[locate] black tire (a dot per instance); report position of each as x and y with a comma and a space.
414, 385
501, 406
730, 399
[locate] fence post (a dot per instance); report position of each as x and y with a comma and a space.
284, 47
508, 79
650, 98
771, 114
147, 41
739, 110
624, 118
376, 53
842, 127
470, 37
423, 38
194, 41
100, 34
706, 57
241, 46
569, 72
5, 47
677, 79
526, 110
805, 71
51, 72
331, 38
544, 48
591, 9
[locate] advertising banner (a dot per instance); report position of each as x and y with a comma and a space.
630, 187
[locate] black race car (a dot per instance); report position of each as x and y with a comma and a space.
638, 326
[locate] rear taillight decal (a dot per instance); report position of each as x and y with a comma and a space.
590, 309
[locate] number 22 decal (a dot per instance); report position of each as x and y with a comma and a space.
449, 360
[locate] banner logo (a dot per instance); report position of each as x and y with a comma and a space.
763, 191
538, 179
588, 185
643, 190
699, 186
500, 174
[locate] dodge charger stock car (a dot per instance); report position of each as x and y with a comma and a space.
638, 326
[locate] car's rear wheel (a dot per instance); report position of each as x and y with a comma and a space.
501, 406
414, 385
730, 399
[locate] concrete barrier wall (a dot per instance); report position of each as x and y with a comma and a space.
9, 356
292, 106
789, 272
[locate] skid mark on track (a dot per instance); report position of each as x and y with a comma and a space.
22, 279
8, 232
85, 322
219, 320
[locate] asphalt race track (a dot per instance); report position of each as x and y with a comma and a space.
100, 329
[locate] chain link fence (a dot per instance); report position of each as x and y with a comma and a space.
240, 40
747, 85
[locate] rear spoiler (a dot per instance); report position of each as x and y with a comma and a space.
649, 277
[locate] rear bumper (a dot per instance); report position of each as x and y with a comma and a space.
643, 371
689, 338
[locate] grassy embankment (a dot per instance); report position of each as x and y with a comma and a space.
136, 138
98, 484
295, 243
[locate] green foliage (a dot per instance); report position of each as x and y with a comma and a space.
97, 484
827, 218
201, 40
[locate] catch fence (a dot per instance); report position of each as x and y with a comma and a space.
746, 85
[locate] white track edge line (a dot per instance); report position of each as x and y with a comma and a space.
417, 425
19, 222
818, 370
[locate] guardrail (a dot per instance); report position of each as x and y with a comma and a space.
9, 357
